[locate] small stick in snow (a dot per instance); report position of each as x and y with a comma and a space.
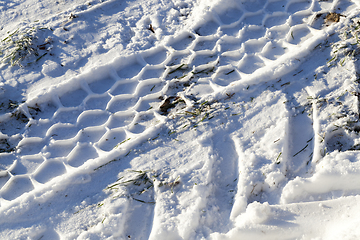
230, 72
287, 83
151, 28
277, 159
301, 150
229, 95
72, 16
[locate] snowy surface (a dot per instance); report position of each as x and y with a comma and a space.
222, 119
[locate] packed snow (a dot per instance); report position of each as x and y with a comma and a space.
222, 119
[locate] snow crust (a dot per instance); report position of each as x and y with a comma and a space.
222, 119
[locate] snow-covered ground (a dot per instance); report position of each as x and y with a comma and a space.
159, 119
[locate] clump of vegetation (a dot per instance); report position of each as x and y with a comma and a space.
19, 116
349, 47
10, 105
25, 46
199, 113
170, 102
5, 146
138, 183
13, 107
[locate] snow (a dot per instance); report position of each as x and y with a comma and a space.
222, 119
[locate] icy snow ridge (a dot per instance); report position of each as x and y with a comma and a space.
102, 114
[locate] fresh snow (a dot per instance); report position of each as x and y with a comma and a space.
222, 119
